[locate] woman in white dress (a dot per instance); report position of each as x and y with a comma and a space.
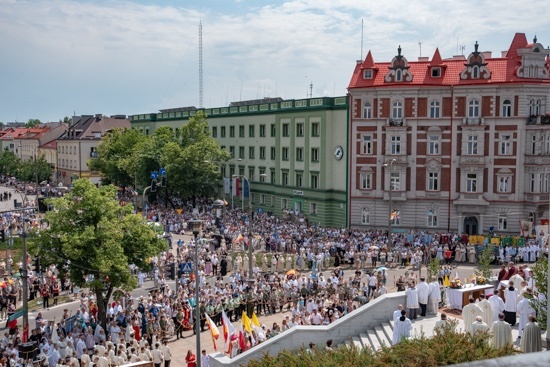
402, 328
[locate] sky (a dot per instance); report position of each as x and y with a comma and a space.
65, 57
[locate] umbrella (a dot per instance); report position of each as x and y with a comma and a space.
382, 268
361, 299
292, 272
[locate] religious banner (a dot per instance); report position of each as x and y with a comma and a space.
226, 186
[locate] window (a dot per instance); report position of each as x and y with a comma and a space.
251, 131
273, 130
262, 174
502, 223
251, 152
433, 145
285, 154
397, 110
505, 145
367, 74
284, 203
252, 173
366, 181
504, 184
214, 132
506, 108
533, 144
286, 129
272, 176
538, 105
472, 145
284, 178
273, 152
475, 72
299, 154
262, 131
262, 152
395, 145
231, 171
299, 129
473, 108
366, 144
315, 154
532, 182
436, 72
299, 179
531, 107
471, 182
241, 131
231, 131
314, 129
314, 180
547, 145
434, 109
222, 132
395, 181
398, 75
232, 151
241, 170
313, 208
433, 181
365, 216
367, 111
432, 218
262, 199
241, 152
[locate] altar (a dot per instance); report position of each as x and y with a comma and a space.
458, 298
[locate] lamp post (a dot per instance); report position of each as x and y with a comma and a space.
391, 201
196, 226
24, 273
143, 201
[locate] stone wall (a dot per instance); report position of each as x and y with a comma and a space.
366, 317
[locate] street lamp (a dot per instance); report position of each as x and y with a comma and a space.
196, 228
391, 201
250, 278
24, 273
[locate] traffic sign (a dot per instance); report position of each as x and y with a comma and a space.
186, 267
154, 175
260, 210
162, 172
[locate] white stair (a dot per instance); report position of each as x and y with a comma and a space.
382, 336
374, 342
357, 342
365, 341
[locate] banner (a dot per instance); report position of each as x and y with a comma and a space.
235, 189
526, 227
226, 186
16, 315
246, 189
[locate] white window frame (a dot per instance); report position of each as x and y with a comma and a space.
506, 108
315, 154
395, 145
434, 145
368, 74
472, 145
433, 181
284, 203
504, 184
365, 182
471, 182
502, 222
299, 179
312, 208
366, 144
367, 110
365, 216
505, 144
395, 181
399, 75
532, 182
284, 178
431, 218
314, 178
397, 110
435, 109
299, 154
473, 108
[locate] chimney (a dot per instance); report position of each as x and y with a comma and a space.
487, 54
423, 58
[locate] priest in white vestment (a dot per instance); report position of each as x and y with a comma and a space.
531, 340
469, 314
402, 328
502, 333
525, 309
397, 313
497, 303
485, 305
479, 326
510, 305
434, 297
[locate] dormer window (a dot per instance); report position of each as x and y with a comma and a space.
436, 72
367, 74
475, 72
398, 76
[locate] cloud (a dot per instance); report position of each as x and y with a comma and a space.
130, 57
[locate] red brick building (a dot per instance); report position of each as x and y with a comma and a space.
464, 141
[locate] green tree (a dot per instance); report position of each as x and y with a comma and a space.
9, 163
35, 170
94, 239
33, 123
540, 274
486, 257
113, 156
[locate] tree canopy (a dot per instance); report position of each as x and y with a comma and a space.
33, 123
191, 158
26, 170
94, 240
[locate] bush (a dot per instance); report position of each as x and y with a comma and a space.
446, 347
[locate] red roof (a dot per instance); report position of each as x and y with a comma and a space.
503, 70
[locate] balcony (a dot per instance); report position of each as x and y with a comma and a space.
395, 122
472, 160
538, 119
538, 197
473, 121
94, 154
471, 198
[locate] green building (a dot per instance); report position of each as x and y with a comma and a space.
293, 153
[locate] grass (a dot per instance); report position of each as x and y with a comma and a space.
36, 304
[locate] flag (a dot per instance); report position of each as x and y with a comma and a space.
255, 321
235, 190
213, 330
228, 331
226, 187
247, 323
242, 341
526, 227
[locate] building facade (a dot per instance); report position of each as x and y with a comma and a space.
293, 152
459, 144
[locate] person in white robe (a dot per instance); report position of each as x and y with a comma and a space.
434, 297
525, 309
402, 328
517, 279
487, 308
469, 314
479, 326
510, 306
497, 303
531, 340
501, 333
442, 324
423, 293
412, 301
397, 313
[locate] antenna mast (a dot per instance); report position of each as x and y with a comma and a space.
200, 64
361, 39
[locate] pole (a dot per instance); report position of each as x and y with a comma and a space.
24, 272
250, 277
197, 303
143, 201
391, 201
548, 281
